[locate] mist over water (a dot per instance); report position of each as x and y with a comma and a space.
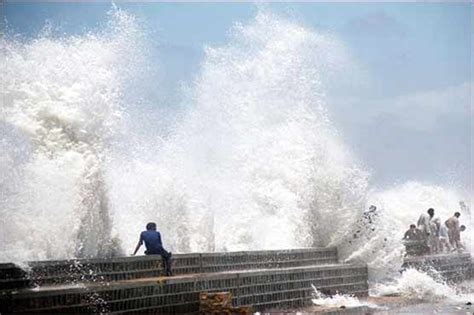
250, 159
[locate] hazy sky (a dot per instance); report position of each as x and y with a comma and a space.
407, 115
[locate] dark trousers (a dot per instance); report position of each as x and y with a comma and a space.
165, 256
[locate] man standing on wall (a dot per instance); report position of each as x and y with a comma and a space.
454, 232
152, 239
424, 225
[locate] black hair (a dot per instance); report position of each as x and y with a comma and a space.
430, 210
412, 226
457, 214
151, 226
462, 227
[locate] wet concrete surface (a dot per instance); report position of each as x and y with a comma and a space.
387, 305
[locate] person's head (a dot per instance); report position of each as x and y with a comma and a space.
457, 214
431, 212
412, 226
151, 226
462, 228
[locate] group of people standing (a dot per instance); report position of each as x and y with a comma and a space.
432, 236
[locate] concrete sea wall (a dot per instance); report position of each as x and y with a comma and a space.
264, 289
262, 279
451, 267
125, 268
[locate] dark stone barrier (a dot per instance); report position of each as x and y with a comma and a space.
263, 289
125, 268
450, 267
12, 276
263, 279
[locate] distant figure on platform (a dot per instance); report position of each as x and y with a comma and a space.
424, 223
454, 230
413, 241
462, 228
412, 234
152, 239
433, 238
444, 245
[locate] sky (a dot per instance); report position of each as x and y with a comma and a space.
406, 115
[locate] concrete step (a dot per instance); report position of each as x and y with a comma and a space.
451, 267
125, 268
12, 276
263, 289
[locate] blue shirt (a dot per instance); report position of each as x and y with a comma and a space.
152, 239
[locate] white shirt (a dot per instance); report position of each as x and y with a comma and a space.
424, 223
443, 231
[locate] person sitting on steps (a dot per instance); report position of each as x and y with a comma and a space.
152, 239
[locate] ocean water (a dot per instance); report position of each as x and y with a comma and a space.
414, 292
249, 160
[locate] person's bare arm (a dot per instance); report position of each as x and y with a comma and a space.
420, 221
456, 225
140, 242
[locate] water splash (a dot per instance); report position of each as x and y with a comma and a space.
63, 96
255, 161
252, 162
414, 285
338, 300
